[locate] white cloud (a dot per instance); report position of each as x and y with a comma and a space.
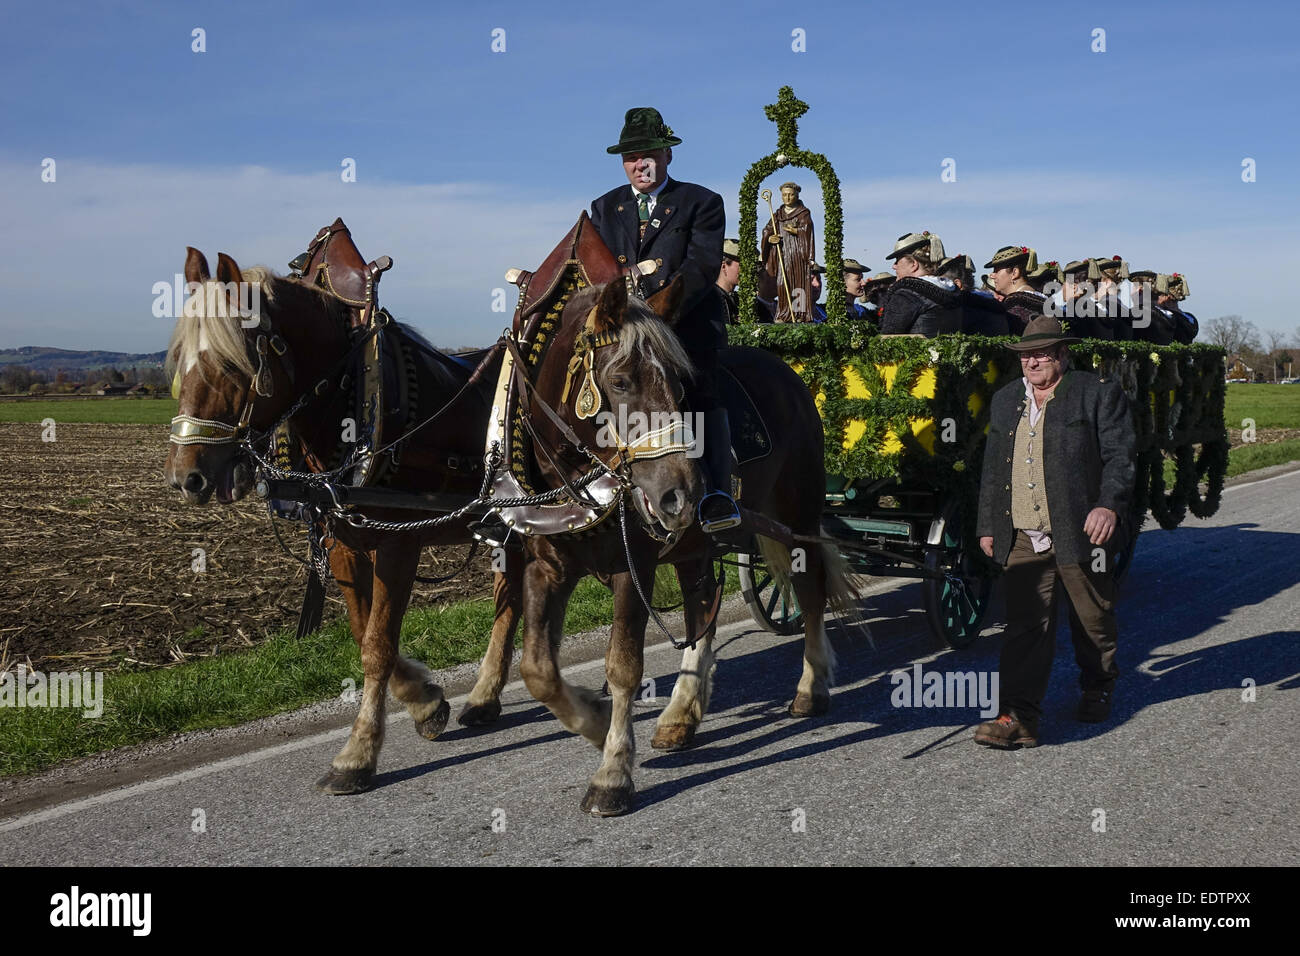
79, 257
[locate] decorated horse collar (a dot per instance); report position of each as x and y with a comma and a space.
585, 344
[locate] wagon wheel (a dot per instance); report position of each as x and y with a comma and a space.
955, 604
769, 607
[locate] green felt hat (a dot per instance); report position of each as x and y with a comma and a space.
818, 268
731, 249
1043, 331
643, 129
853, 265
1177, 283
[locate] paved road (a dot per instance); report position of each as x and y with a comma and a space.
1186, 772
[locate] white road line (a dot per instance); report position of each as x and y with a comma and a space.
257, 756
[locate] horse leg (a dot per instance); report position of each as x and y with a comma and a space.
813, 695
677, 724
484, 704
353, 769
611, 790
549, 580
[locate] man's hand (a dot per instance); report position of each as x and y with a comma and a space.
986, 545
1100, 525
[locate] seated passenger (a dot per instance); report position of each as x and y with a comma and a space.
1012, 266
1185, 325
920, 302
1078, 307
818, 311
853, 272
875, 291
1114, 308
1146, 286
981, 312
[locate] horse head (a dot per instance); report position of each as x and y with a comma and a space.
625, 381
245, 346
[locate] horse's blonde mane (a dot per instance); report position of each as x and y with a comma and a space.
206, 324
646, 336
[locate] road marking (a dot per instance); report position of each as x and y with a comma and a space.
257, 756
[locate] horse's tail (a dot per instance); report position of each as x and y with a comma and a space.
841, 587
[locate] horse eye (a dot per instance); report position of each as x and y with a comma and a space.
618, 383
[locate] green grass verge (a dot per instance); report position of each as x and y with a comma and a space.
116, 411
279, 675
1272, 406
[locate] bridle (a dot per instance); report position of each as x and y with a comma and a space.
188, 430
677, 436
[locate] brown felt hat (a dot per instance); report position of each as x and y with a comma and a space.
1043, 332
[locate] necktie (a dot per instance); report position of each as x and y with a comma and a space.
643, 212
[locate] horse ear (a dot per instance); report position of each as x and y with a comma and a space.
666, 303
196, 266
612, 307
228, 269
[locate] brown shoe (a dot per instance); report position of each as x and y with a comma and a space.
1007, 732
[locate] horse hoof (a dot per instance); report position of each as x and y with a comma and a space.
435, 723
806, 705
673, 737
475, 715
340, 783
608, 801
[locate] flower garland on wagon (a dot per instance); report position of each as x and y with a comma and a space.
916, 409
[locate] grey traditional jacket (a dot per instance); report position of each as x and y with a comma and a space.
1089, 448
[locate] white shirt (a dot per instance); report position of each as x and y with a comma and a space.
654, 196
1039, 539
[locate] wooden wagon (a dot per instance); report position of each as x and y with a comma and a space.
905, 422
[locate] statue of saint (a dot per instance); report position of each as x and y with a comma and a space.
788, 256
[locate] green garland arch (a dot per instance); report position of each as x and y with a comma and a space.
785, 112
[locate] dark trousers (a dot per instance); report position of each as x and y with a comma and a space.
1029, 642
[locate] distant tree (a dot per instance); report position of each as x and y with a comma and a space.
15, 379
61, 377
116, 377
1233, 334
1275, 341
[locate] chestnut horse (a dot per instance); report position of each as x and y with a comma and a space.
232, 384
637, 365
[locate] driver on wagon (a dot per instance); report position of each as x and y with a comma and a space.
676, 229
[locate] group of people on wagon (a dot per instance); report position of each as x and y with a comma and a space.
930, 293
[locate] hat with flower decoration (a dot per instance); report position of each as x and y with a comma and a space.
911, 241
1009, 256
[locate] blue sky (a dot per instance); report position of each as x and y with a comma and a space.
470, 162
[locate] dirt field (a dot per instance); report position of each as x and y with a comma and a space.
96, 556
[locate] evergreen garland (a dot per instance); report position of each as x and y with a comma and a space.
916, 410
785, 112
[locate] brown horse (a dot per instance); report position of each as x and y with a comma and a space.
239, 378
637, 367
